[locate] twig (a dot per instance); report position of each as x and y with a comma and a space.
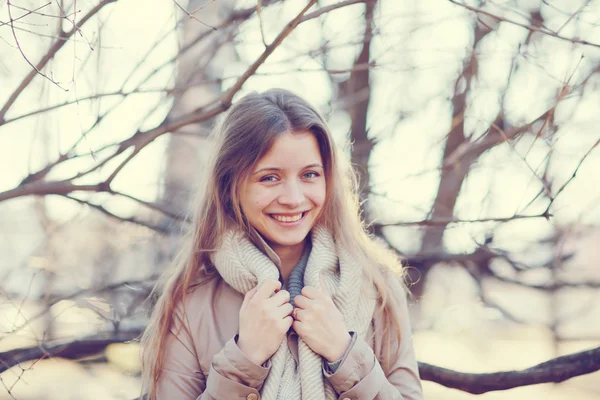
45, 15
74, 23
260, 22
488, 141
141, 139
560, 190
192, 17
584, 5
528, 27
108, 288
11, 20
550, 286
117, 217
331, 7
181, 89
153, 206
37, 70
56, 46
226, 100
446, 221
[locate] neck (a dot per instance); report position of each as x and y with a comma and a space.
289, 256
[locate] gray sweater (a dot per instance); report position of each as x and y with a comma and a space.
296, 280
296, 283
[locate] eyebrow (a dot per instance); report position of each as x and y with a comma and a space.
279, 169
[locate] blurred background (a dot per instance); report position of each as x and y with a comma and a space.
473, 126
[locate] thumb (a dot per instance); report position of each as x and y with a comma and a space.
248, 296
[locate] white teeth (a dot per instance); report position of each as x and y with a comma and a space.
282, 218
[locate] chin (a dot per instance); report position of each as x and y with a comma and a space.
287, 241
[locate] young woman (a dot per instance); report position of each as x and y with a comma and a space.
279, 292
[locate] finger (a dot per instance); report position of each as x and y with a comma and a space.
310, 292
284, 310
301, 301
297, 314
324, 285
287, 322
248, 296
267, 288
279, 298
298, 326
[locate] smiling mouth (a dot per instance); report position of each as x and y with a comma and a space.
288, 218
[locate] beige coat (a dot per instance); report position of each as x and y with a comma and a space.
203, 361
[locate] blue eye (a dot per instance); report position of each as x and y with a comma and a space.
268, 178
314, 175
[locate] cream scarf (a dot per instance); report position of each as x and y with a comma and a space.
242, 265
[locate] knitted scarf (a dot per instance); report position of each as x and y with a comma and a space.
243, 266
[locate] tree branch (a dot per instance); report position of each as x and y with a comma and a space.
131, 220
556, 370
64, 36
72, 350
528, 27
447, 221
12, 28
550, 286
12, 20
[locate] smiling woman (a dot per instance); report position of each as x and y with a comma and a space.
284, 197
279, 293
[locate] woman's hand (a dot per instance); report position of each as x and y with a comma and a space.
264, 321
320, 324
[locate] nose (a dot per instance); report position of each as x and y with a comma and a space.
292, 195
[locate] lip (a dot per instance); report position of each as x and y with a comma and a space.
289, 214
289, 224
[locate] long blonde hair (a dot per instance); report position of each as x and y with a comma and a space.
245, 134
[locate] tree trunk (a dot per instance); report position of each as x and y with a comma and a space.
356, 92
451, 177
186, 152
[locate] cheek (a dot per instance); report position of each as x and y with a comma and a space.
319, 194
259, 198
249, 202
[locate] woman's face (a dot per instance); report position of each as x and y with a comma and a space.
285, 193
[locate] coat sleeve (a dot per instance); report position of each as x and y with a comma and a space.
360, 375
231, 374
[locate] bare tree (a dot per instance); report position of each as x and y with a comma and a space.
201, 84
